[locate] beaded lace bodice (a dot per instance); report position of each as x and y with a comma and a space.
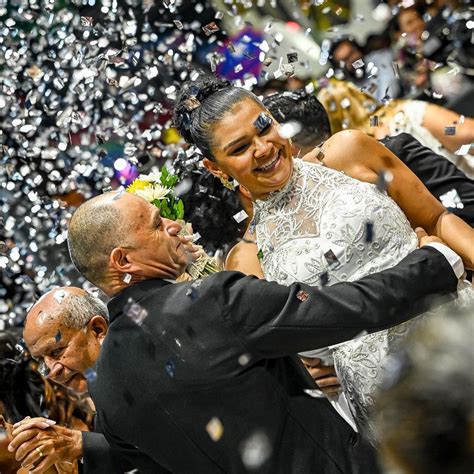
324, 221
324, 227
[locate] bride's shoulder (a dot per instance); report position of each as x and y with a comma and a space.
347, 138
348, 151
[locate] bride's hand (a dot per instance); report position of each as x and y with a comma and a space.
324, 375
424, 238
193, 250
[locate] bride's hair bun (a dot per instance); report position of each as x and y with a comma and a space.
191, 97
201, 104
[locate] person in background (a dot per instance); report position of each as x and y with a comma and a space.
26, 395
439, 175
425, 426
64, 332
373, 72
445, 132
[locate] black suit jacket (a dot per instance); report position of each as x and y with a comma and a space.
99, 457
438, 174
211, 368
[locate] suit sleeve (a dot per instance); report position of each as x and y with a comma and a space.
96, 453
99, 457
275, 320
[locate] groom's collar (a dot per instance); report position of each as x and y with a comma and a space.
136, 292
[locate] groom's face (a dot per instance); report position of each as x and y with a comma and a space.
155, 249
248, 147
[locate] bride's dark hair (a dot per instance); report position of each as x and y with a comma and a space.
201, 104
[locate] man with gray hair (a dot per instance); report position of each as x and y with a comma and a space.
64, 332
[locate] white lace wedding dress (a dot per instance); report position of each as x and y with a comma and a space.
325, 227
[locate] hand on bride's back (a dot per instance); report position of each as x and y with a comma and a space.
424, 238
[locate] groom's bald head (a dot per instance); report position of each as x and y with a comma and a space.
96, 228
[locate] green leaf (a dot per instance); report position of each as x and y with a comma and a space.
180, 210
164, 174
164, 209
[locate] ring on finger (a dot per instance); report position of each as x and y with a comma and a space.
38, 450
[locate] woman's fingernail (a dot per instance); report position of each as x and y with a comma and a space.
51, 422
10, 448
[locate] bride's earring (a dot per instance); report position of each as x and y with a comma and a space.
226, 183
127, 278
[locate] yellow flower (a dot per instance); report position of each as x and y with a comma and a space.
136, 185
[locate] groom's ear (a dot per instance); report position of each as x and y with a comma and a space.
119, 260
212, 167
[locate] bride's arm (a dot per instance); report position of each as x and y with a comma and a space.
243, 258
362, 157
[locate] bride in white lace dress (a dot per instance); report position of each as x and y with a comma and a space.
316, 224
324, 227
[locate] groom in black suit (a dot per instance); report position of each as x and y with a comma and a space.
200, 377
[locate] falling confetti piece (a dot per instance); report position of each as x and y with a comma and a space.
369, 231
289, 129
358, 64
450, 131
170, 367
292, 57
255, 450
87, 20
43, 369
345, 103
464, 149
331, 258
215, 429
210, 28
451, 200
374, 121
135, 312
59, 295
90, 375
57, 337
315, 393
240, 216
192, 293
263, 121
324, 278
383, 180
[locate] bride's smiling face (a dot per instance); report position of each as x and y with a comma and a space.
247, 146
